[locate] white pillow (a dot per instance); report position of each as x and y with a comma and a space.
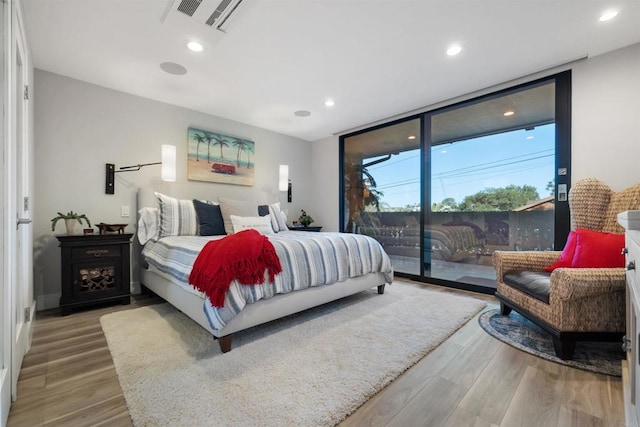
148, 225
262, 224
177, 217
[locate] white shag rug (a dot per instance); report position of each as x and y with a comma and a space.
309, 369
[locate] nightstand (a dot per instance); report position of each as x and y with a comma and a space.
95, 269
309, 228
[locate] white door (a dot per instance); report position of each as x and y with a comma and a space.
16, 255
22, 247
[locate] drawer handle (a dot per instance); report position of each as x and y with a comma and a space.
97, 252
631, 265
626, 344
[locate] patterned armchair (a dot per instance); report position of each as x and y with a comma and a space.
572, 304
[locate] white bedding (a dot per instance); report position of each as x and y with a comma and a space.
308, 260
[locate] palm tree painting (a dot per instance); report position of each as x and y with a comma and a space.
199, 138
225, 163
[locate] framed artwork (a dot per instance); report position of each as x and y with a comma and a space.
214, 157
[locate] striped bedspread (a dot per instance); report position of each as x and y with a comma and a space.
308, 259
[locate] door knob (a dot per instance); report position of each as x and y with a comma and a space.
20, 221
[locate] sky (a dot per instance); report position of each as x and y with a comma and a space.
466, 167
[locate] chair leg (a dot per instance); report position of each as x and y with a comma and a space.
504, 309
564, 348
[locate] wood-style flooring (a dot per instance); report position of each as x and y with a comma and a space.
68, 379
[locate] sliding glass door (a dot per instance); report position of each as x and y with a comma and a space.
382, 188
491, 183
443, 190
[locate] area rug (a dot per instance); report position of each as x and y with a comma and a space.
518, 332
310, 369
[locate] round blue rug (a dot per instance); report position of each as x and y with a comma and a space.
515, 330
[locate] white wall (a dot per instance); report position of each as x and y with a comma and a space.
79, 127
606, 118
326, 181
605, 128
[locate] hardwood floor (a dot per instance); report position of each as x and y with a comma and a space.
68, 378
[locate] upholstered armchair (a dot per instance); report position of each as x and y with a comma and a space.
572, 304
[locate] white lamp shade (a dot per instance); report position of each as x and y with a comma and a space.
283, 183
168, 163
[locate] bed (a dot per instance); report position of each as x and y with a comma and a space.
166, 262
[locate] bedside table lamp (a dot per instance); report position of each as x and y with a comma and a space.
168, 172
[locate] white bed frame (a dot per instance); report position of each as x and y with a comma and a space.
254, 314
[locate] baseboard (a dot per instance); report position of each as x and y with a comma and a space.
5, 396
135, 288
46, 302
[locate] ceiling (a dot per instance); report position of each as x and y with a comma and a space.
535, 105
375, 58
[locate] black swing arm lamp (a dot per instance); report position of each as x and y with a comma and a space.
168, 168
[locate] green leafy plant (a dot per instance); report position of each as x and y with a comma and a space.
304, 218
69, 215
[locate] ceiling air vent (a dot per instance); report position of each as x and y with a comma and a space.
216, 14
188, 7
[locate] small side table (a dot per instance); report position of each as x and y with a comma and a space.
95, 269
308, 228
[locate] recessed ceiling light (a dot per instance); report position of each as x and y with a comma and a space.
195, 46
173, 68
443, 151
509, 113
302, 113
411, 137
608, 15
454, 50
329, 103
529, 137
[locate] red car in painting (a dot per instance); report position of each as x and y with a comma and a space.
223, 168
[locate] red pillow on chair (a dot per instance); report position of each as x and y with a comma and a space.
567, 254
595, 249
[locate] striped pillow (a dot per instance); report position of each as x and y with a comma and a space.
278, 219
177, 217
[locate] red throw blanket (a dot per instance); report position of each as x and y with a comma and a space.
244, 256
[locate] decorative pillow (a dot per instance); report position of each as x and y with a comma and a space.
262, 224
595, 249
148, 225
230, 207
567, 254
264, 210
280, 223
177, 217
209, 218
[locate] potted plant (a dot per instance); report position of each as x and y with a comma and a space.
70, 219
305, 219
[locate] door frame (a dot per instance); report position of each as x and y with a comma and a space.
5, 302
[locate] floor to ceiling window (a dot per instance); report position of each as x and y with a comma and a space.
441, 191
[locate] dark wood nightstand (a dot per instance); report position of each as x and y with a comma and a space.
95, 269
299, 228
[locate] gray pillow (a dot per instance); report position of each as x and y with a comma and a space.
230, 207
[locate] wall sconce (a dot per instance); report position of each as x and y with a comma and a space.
168, 172
284, 183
